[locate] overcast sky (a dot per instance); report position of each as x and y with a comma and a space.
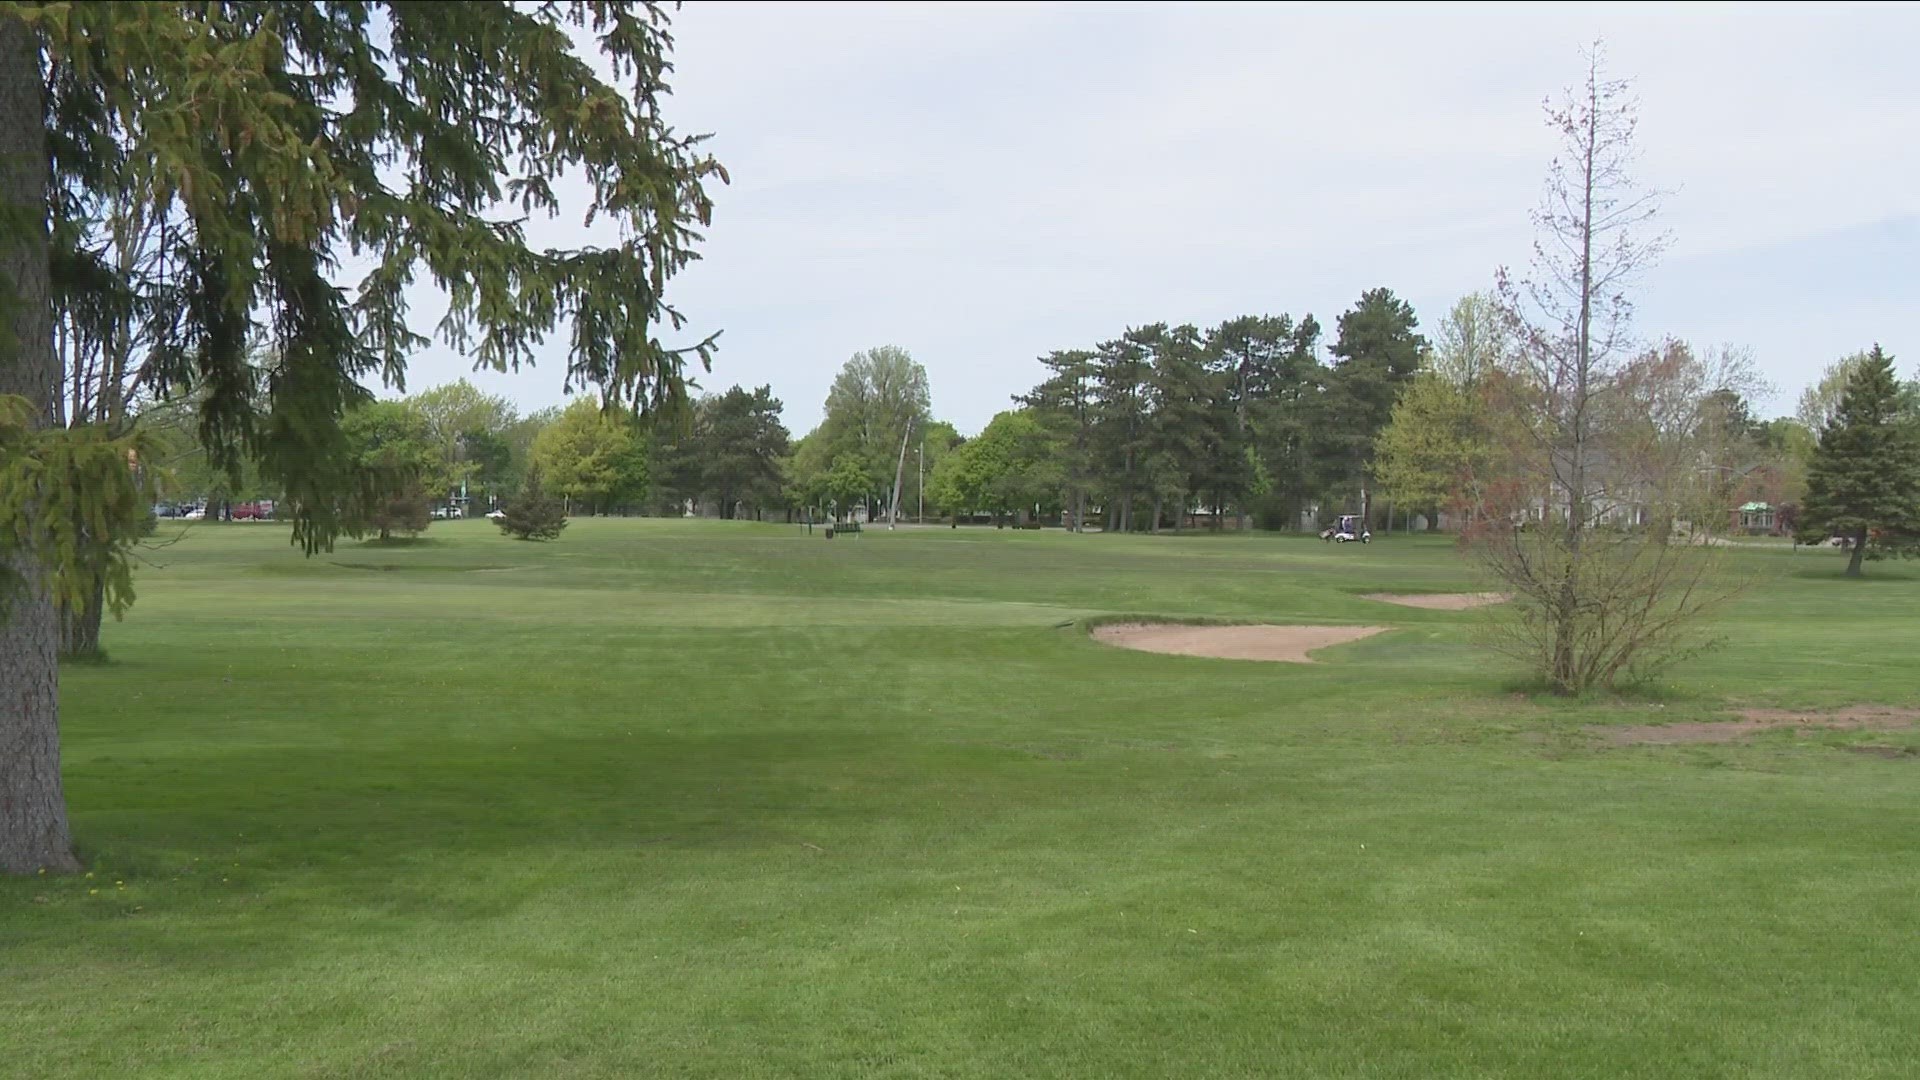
982, 184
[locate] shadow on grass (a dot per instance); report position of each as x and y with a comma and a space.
1875, 570
403, 542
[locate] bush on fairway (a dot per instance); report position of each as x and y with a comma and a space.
533, 514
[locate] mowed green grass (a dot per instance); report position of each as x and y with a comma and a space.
726, 800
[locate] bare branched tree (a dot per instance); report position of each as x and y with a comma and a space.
1600, 514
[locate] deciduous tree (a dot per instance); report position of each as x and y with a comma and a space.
397, 463
1603, 473
594, 456
879, 397
469, 428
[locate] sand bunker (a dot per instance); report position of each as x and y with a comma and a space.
1754, 721
1441, 601
1286, 643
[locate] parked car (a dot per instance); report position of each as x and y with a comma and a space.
261, 510
195, 513
496, 515
165, 510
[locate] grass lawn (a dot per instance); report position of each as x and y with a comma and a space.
725, 800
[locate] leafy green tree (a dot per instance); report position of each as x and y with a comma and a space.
1474, 340
877, 400
489, 458
1007, 469
469, 428
1820, 402
1444, 431
269, 140
1434, 440
845, 483
396, 459
933, 444
532, 513
594, 456
1864, 479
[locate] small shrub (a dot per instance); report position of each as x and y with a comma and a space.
533, 514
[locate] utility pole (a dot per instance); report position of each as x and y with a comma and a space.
920, 468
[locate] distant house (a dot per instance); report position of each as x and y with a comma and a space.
1758, 519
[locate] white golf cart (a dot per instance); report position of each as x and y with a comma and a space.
1347, 528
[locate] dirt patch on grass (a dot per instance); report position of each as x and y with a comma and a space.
1459, 601
1755, 721
1288, 644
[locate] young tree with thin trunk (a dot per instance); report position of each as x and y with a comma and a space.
1595, 519
269, 141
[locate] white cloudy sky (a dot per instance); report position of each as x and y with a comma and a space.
981, 184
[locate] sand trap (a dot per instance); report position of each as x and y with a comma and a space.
1459, 601
1754, 721
1286, 643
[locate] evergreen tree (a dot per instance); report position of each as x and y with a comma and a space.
1121, 409
533, 514
1064, 403
1181, 441
1378, 353
268, 141
1276, 384
1863, 482
733, 451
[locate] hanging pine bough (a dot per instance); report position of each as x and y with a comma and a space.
254, 147
72, 498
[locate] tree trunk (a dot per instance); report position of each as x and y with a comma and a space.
1079, 510
1153, 525
33, 808
80, 627
1859, 553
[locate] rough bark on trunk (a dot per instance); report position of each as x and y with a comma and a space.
33, 808
1153, 524
1859, 553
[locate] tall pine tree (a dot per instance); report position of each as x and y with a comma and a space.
1064, 402
1378, 351
269, 141
1864, 480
